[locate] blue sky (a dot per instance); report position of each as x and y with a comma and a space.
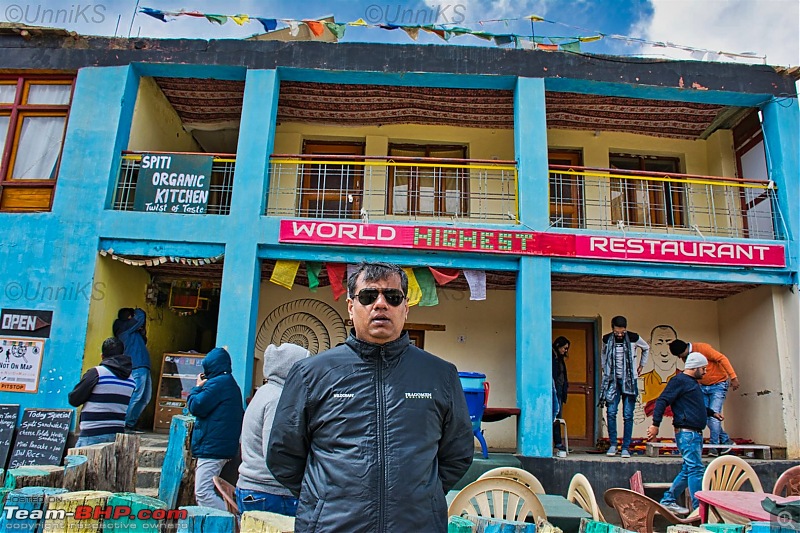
766, 27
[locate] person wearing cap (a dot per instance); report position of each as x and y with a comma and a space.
714, 385
257, 489
689, 414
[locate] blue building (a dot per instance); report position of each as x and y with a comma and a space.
555, 190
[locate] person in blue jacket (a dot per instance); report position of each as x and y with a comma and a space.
217, 404
130, 329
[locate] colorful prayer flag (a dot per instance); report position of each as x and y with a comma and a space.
316, 27
269, 24
284, 273
335, 275
477, 284
313, 269
428, 287
443, 276
414, 292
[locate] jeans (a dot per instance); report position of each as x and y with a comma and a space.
204, 491
97, 439
628, 405
141, 395
690, 444
254, 500
714, 397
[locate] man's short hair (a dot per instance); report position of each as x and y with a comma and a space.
377, 272
125, 313
619, 322
677, 347
112, 346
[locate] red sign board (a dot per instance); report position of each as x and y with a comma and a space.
496, 241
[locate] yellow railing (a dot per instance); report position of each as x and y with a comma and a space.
385, 188
591, 198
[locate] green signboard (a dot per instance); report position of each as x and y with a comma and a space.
173, 183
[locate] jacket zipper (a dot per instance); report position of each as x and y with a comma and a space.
381, 402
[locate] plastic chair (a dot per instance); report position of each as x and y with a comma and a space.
637, 512
228, 493
789, 483
730, 472
580, 492
517, 474
566, 437
497, 497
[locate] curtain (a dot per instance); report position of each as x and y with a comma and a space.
39, 147
48, 94
3, 132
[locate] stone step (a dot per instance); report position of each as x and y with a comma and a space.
147, 491
152, 456
148, 477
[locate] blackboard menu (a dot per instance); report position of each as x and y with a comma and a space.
8, 422
41, 437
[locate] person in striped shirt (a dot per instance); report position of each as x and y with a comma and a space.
104, 391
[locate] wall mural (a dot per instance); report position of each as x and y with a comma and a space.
309, 323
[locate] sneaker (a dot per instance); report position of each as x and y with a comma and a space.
713, 452
561, 448
625, 454
675, 508
612, 451
725, 451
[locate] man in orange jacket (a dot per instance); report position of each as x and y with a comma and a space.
714, 384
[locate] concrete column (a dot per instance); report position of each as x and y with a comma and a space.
534, 367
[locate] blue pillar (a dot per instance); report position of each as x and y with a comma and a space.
781, 138
534, 374
533, 303
241, 275
530, 147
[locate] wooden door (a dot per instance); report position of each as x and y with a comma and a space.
579, 409
566, 192
331, 190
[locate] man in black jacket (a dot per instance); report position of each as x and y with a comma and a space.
373, 433
689, 415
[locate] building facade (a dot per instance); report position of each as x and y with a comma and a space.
556, 190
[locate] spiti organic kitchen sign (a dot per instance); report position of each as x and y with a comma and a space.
487, 240
173, 183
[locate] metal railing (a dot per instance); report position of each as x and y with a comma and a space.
219, 190
392, 188
652, 202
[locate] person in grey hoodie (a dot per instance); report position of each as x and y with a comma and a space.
257, 489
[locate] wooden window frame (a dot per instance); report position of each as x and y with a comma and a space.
322, 148
674, 195
413, 198
17, 112
575, 207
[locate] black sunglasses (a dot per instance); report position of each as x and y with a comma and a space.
393, 297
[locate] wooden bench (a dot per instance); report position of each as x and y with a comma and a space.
762, 451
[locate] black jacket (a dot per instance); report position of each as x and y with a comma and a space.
689, 411
371, 437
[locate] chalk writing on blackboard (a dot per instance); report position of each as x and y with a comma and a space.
8, 422
41, 437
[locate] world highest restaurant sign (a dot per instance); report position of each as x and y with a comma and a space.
494, 241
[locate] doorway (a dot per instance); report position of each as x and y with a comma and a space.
579, 411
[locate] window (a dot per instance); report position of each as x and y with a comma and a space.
428, 190
331, 190
33, 120
642, 202
566, 192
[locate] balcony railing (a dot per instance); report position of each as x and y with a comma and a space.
392, 188
592, 198
219, 190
